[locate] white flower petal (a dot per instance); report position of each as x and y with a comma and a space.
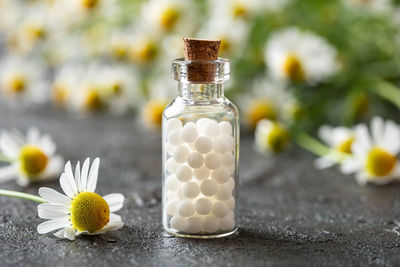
68, 185
52, 225
115, 201
47, 144
78, 177
93, 174
84, 174
52, 206
33, 135
8, 173
8, 145
350, 166
60, 233
53, 196
68, 170
324, 162
51, 214
69, 233
377, 129
54, 167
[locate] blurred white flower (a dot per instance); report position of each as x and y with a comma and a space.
144, 47
23, 81
369, 6
267, 100
339, 140
32, 158
271, 137
375, 154
80, 210
300, 56
11, 12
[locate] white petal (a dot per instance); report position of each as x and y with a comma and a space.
93, 174
84, 174
68, 186
325, 133
324, 162
53, 196
52, 214
78, 177
54, 167
350, 166
68, 170
23, 181
48, 145
60, 233
52, 206
361, 178
377, 125
8, 173
69, 233
33, 135
114, 201
362, 135
8, 145
52, 225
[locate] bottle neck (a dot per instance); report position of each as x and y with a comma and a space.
200, 92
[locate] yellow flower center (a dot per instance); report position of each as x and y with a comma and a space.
258, 110
119, 51
116, 88
33, 160
239, 11
144, 51
225, 45
152, 113
169, 17
35, 32
380, 162
345, 146
278, 138
89, 4
93, 100
89, 212
60, 94
15, 84
293, 68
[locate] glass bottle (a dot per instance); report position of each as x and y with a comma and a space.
200, 141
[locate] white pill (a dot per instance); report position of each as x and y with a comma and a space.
231, 169
230, 183
172, 195
225, 128
195, 160
231, 203
230, 141
190, 190
220, 176
189, 132
172, 183
226, 223
201, 173
210, 224
174, 138
173, 124
178, 223
211, 129
172, 207
193, 225
185, 208
231, 214
220, 209
208, 187
220, 145
203, 144
171, 165
181, 153
203, 206
212, 161
184, 173
170, 149
228, 159
223, 192
201, 123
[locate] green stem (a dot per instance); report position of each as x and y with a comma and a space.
311, 144
4, 158
388, 91
10, 193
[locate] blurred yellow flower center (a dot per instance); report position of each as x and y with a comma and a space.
93, 100
144, 51
89, 4
380, 162
293, 68
169, 17
278, 138
345, 146
239, 11
258, 110
116, 88
35, 32
89, 212
225, 45
60, 94
15, 84
152, 113
119, 51
33, 160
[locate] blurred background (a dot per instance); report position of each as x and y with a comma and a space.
300, 63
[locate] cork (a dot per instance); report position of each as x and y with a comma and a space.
201, 50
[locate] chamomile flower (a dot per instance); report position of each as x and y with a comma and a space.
375, 153
299, 56
234, 9
32, 157
339, 140
144, 48
271, 137
80, 210
23, 81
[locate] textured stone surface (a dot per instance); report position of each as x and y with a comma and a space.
290, 213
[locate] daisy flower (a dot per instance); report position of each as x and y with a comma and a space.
23, 81
234, 9
298, 56
375, 153
32, 157
271, 137
144, 48
339, 140
80, 210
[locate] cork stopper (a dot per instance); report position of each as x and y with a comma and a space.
201, 50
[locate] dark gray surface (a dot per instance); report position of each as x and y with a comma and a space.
290, 213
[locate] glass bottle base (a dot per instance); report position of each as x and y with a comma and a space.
200, 236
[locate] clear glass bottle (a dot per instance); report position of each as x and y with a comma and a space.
200, 140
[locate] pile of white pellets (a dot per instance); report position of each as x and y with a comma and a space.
199, 181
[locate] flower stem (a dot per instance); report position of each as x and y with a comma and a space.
311, 144
4, 158
10, 193
388, 91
